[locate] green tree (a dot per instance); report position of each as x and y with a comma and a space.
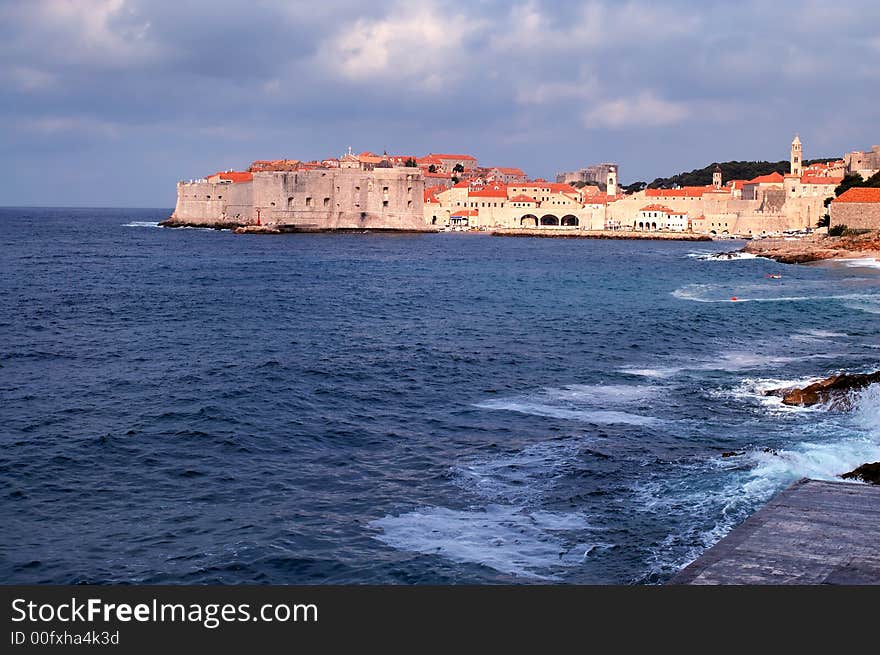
410, 163
849, 181
458, 168
432, 168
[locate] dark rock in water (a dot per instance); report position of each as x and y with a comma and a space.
732, 453
834, 390
771, 451
866, 473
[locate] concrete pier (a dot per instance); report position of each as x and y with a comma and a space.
814, 532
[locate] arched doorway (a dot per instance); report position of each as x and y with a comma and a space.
529, 220
549, 219
570, 220
641, 225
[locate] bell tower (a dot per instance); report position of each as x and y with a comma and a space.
611, 181
716, 177
797, 156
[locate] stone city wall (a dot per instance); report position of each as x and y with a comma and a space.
856, 215
321, 199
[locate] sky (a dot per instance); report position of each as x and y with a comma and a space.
110, 102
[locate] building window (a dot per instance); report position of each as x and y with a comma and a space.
409, 203
290, 202
384, 189
309, 201
384, 203
326, 202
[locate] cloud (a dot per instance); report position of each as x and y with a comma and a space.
107, 33
79, 126
548, 93
532, 28
643, 110
414, 43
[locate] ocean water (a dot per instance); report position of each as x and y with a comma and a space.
192, 406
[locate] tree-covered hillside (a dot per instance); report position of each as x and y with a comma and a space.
730, 170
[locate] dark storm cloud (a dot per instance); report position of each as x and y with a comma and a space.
103, 92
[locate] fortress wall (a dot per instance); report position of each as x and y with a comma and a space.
341, 199
321, 199
209, 203
856, 215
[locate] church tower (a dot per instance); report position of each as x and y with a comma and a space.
611, 181
797, 158
716, 177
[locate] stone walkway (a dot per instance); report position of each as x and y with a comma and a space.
814, 532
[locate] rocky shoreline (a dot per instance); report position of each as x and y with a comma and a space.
817, 248
835, 393
549, 233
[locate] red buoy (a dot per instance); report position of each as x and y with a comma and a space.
733, 298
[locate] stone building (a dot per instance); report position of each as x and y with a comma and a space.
858, 208
592, 173
355, 196
864, 163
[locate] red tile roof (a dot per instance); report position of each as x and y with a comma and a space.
684, 192
431, 193
859, 194
554, 187
439, 156
657, 208
522, 198
466, 212
234, 176
491, 191
821, 179
773, 178
510, 171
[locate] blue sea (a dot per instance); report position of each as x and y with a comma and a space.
194, 406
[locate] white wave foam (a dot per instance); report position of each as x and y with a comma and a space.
585, 403
508, 539
598, 416
713, 293
722, 256
731, 361
664, 372
817, 335
867, 306
860, 262
522, 477
142, 224
713, 504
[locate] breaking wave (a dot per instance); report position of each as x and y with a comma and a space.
723, 256
142, 224
744, 482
